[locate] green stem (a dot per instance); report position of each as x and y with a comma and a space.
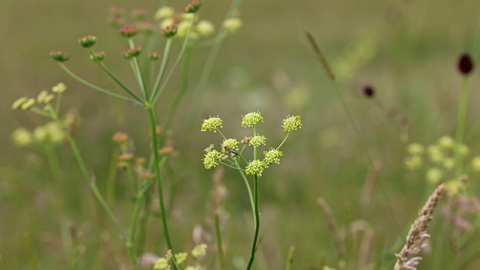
278, 148
138, 72
163, 67
156, 165
257, 224
290, 258
230, 166
87, 175
32, 259
183, 88
180, 55
244, 177
53, 162
207, 70
58, 101
130, 92
462, 111
133, 227
40, 112
221, 259
69, 72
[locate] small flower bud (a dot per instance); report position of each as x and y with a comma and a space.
41, 96
199, 251
128, 31
465, 64
139, 14
116, 11
136, 51
126, 157
59, 55
205, 28
193, 6
49, 98
59, 88
120, 137
147, 175
368, 91
231, 25
98, 56
146, 28
212, 124
246, 140
255, 167
169, 31
28, 104
22, 137
117, 22
164, 13
17, 104
154, 56
291, 123
87, 41
141, 160
165, 151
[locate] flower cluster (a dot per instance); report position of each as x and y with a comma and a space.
212, 123
163, 263
49, 133
292, 123
251, 119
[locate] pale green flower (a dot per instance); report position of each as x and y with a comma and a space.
413, 162
463, 149
446, 142
257, 141
182, 29
162, 264
40, 134
205, 28
476, 163
230, 144
27, 105
212, 123
199, 251
22, 137
232, 25
59, 88
255, 167
434, 176
55, 132
449, 163
165, 23
164, 13
41, 96
272, 156
415, 149
435, 153
181, 257
211, 159
291, 123
187, 16
17, 104
251, 119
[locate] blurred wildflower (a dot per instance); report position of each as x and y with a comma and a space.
167, 22
368, 91
463, 149
146, 27
98, 56
476, 163
415, 149
255, 167
126, 157
27, 105
205, 28
246, 140
164, 13
199, 251
128, 31
162, 264
446, 142
139, 14
449, 163
212, 124
183, 28
59, 55
120, 137
59, 88
231, 25
434, 176
22, 137
154, 56
412, 162
193, 6
291, 123
116, 11
165, 151
181, 257
465, 64
169, 31
19, 102
435, 153
87, 41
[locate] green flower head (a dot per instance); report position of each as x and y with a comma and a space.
257, 141
212, 123
211, 159
255, 167
292, 123
199, 251
230, 144
251, 119
272, 156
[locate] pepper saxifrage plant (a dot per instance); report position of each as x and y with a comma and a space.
173, 26
232, 156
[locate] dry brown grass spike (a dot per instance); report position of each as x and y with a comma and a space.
320, 57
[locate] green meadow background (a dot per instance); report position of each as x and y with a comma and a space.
406, 49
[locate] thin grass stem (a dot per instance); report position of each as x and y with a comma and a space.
163, 66
221, 260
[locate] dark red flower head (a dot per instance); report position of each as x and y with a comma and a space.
368, 91
465, 64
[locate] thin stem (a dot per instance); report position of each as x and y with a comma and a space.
257, 223
130, 92
40, 112
58, 101
53, 162
138, 72
133, 227
87, 175
244, 177
221, 259
207, 70
98, 88
180, 55
278, 148
462, 111
230, 166
163, 67
156, 164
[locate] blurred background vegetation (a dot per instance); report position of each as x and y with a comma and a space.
406, 49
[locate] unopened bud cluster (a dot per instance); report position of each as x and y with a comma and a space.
133, 52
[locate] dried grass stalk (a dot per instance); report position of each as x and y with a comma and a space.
417, 236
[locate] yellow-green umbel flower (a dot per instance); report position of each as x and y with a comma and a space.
255, 167
449, 163
199, 251
232, 25
164, 13
251, 119
463, 149
181, 257
212, 123
446, 142
231, 144
22, 137
415, 149
27, 105
413, 162
272, 156
59, 88
292, 123
17, 104
257, 141
434, 176
205, 28
435, 153
211, 159
161, 264
476, 163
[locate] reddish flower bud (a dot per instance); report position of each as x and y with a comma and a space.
117, 22
134, 52
154, 56
165, 151
59, 55
146, 28
115, 11
128, 31
465, 64
139, 14
193, 6
87, 41
368, 91
120, 137
126, 157
98, 56
169, 31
